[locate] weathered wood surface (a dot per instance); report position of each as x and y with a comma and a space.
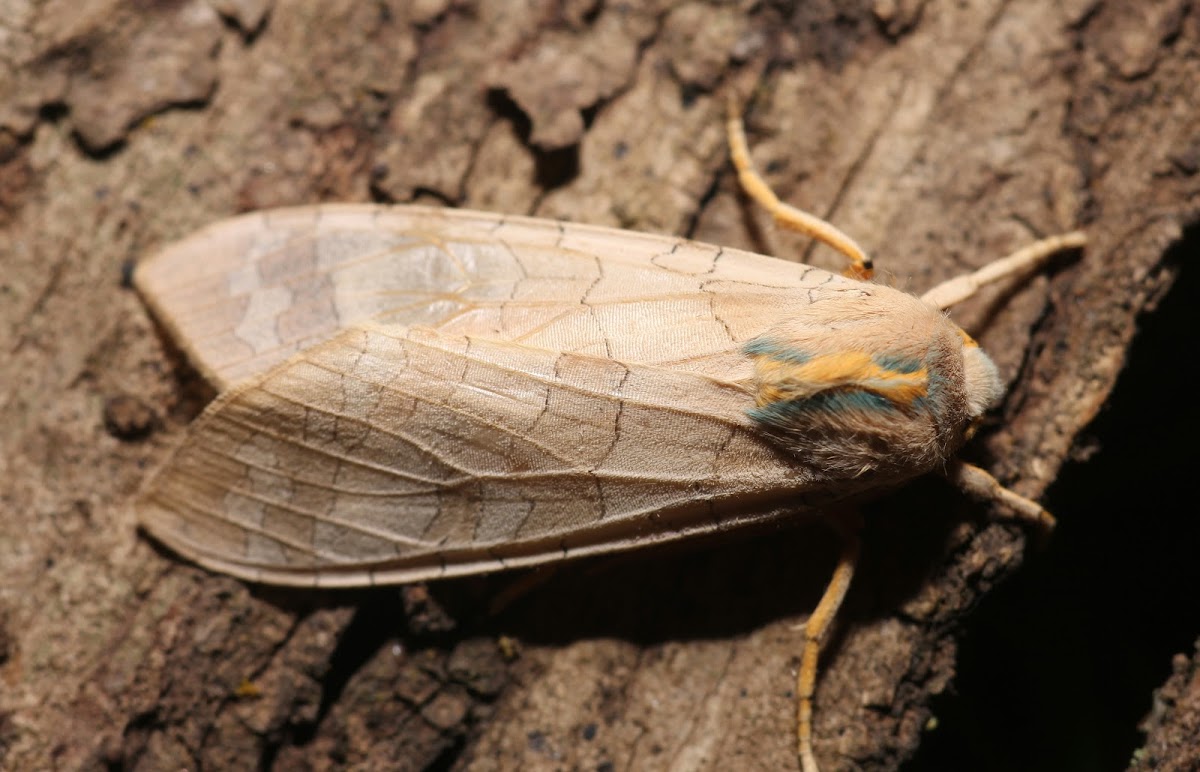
938, 134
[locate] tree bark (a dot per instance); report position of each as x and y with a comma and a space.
940, 135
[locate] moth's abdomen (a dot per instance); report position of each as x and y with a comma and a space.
872, 382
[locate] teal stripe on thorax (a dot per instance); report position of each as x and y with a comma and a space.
785, 411
762, 347
896, 363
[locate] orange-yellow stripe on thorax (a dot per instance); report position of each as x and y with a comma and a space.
787, 379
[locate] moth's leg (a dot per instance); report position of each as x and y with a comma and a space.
787, 216
962, 287
814, 631
978, 483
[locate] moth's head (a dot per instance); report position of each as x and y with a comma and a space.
876, 382
981, 380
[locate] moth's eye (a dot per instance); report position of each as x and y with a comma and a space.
981, 380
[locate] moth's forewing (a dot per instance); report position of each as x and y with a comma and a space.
398, 454
243, 295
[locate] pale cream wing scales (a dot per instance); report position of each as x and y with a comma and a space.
243, 295
389, 455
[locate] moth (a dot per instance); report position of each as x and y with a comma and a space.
410, 393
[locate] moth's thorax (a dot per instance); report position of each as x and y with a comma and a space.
871, 381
